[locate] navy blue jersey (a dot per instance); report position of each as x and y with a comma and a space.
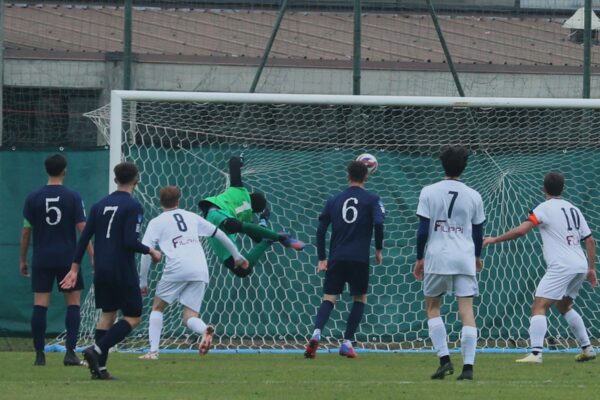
115, 222
53, 212
353, 214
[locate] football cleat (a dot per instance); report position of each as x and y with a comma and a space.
91, 357
104, 375
465, 376
151, 355
71, 359
443, 370
206, 342
531, 359
347, 351
311, 348
40, 358
586, 355
288, 241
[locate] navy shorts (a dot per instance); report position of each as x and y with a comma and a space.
42, 279
338, 273
112, 297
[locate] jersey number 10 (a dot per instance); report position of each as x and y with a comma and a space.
574, 218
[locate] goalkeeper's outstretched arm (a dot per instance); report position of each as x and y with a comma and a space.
235, 171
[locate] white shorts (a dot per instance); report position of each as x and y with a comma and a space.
435, 285
556, 286
187, 293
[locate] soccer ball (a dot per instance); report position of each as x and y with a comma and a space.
369, 160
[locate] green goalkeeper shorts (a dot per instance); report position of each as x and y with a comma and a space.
216, 217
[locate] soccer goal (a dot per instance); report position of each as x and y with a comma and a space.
296, 148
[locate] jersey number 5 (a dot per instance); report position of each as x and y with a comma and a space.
52, 208
349, 212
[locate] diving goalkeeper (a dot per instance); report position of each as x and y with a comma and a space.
232, 210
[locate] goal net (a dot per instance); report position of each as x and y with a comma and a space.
296, 149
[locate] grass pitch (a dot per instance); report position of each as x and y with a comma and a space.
290, 376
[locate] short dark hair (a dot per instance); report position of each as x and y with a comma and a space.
554, 183
126, 173
258, 202
55, 164
169, 196
454, 160
357, 171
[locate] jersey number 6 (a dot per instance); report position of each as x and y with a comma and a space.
349, 212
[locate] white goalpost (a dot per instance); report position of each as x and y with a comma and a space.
296, 148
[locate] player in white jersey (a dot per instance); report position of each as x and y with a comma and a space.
185, 275
563, 228
451, 221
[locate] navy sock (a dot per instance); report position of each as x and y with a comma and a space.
114, 335
38, 327
104, 356
72, 320
323, 314
358, 309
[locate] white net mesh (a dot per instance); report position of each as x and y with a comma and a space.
296, 155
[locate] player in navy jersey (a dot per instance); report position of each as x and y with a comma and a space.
115, 222
353, 214
52, 213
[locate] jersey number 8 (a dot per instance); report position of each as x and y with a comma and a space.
180, 222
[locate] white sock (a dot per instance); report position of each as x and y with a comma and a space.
468, 343
155, 329
197, 325
347, 343
316, 334
577, 327
437, 333
537, 332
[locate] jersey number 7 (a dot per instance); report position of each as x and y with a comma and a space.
451, 206
114, 211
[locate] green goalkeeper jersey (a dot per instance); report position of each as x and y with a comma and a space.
234, 201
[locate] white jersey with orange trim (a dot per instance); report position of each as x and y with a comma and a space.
563, 227
452, 209
177, 233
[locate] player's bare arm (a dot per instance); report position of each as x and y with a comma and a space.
322, 266
25, 238
590, 247
378, 256
70, 279
512, 234
90, 248
238, 259
418, 269
478, 264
